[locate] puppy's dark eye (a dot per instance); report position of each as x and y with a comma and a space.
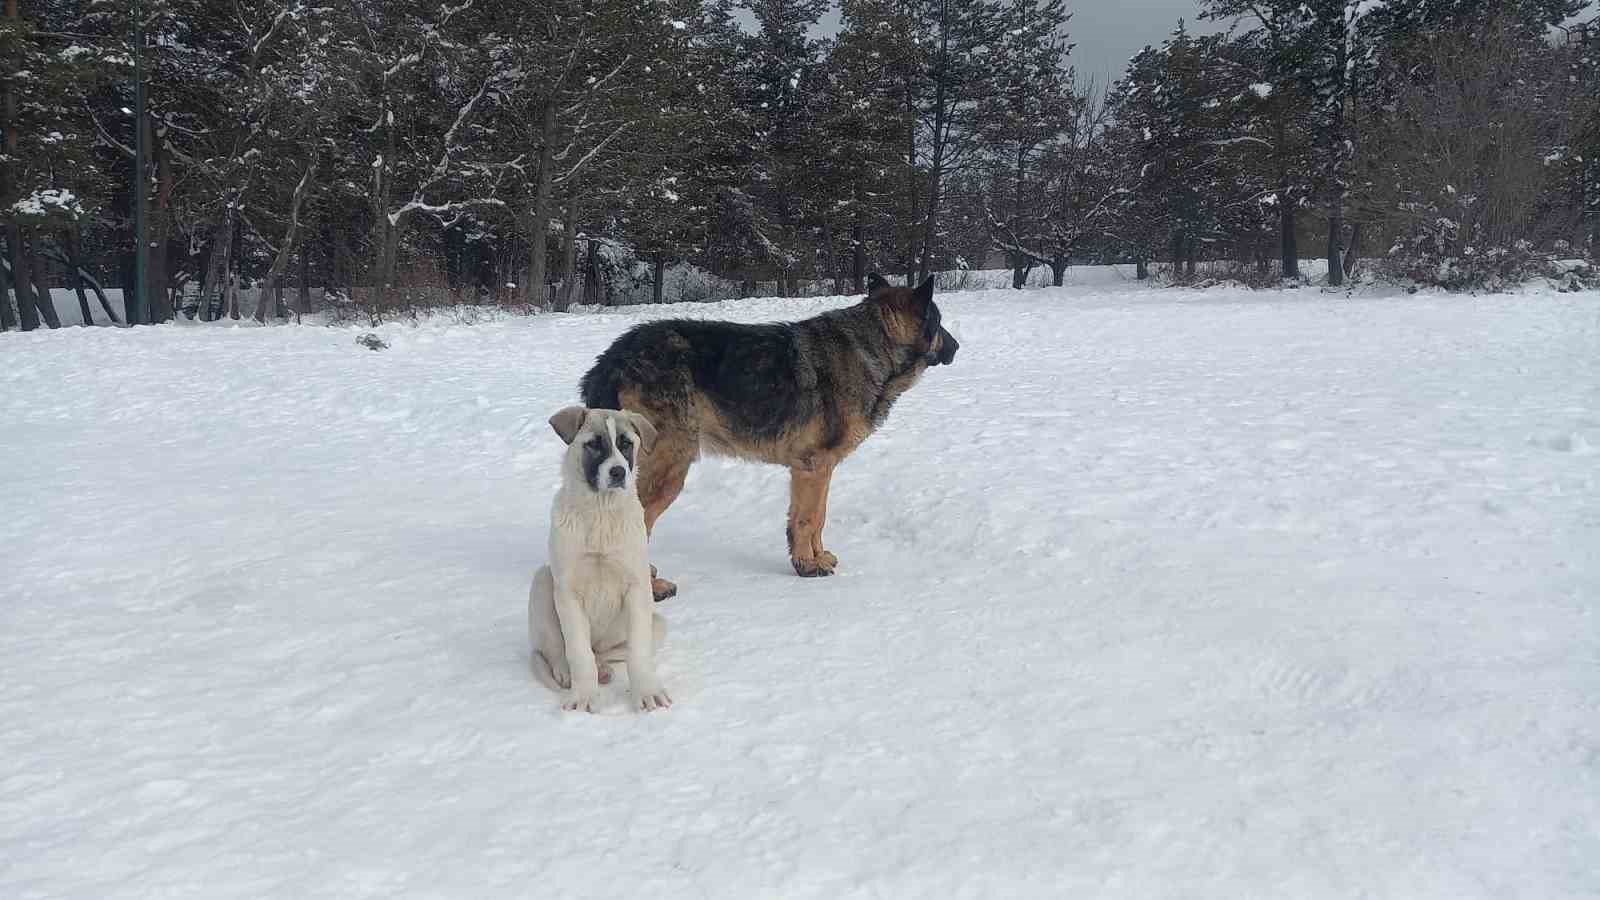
595, 446
624, 443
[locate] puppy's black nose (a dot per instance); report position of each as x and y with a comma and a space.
618, 474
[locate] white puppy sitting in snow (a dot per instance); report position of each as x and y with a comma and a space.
592, 606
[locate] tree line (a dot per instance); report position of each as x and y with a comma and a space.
540, 152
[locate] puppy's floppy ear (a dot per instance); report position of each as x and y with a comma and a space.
568, 422
647, 431
875, 283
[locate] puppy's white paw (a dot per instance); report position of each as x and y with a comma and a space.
648, 697
578, 700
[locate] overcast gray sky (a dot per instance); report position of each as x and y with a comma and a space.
1109, 32
1106, 32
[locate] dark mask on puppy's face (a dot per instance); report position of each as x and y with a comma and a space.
607, 443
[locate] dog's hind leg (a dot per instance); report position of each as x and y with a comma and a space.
612, 654
549, 652
823, 556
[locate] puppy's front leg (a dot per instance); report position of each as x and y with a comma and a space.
580, 652
643, 685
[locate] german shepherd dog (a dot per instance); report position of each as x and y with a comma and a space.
801, 394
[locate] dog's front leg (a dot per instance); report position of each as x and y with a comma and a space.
575, 632
808, 510
643, 684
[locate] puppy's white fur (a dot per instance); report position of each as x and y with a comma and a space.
592, 606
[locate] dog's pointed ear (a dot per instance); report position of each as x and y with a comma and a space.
647, 431
923, 295
568, 422
875, 283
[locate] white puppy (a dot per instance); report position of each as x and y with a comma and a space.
592, 605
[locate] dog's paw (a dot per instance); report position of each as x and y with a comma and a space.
561, 673
575, 701
650, 697
662, 588
827, 559
815, 568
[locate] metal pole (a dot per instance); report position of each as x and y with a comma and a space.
138, 312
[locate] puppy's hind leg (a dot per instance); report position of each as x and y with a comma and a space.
549, 651
618, 653
606, 657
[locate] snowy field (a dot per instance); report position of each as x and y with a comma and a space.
1154, 593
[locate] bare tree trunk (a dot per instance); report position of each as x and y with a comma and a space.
41, 289
22, 281
658, 266
858, 253
26, 308
100, 295
539, 225
213, 286
1288, 249
1020, 268
1182, 255
302, 304
1058, 270
1335, 226
831, 242
1141, 268
388, 257
1351, 251
8, 314
569, 247
69, 249
191, 306
911, 181
158, 274
233, 269
930, 226
591, 274
291, 235
1288, 252
1335, 133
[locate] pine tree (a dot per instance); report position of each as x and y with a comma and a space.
876, 68
1029, 131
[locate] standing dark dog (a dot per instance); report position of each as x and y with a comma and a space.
802, 395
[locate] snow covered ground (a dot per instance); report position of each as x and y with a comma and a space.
1154, 593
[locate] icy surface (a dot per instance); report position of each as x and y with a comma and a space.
1151, 594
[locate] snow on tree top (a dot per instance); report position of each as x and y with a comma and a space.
50, 201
